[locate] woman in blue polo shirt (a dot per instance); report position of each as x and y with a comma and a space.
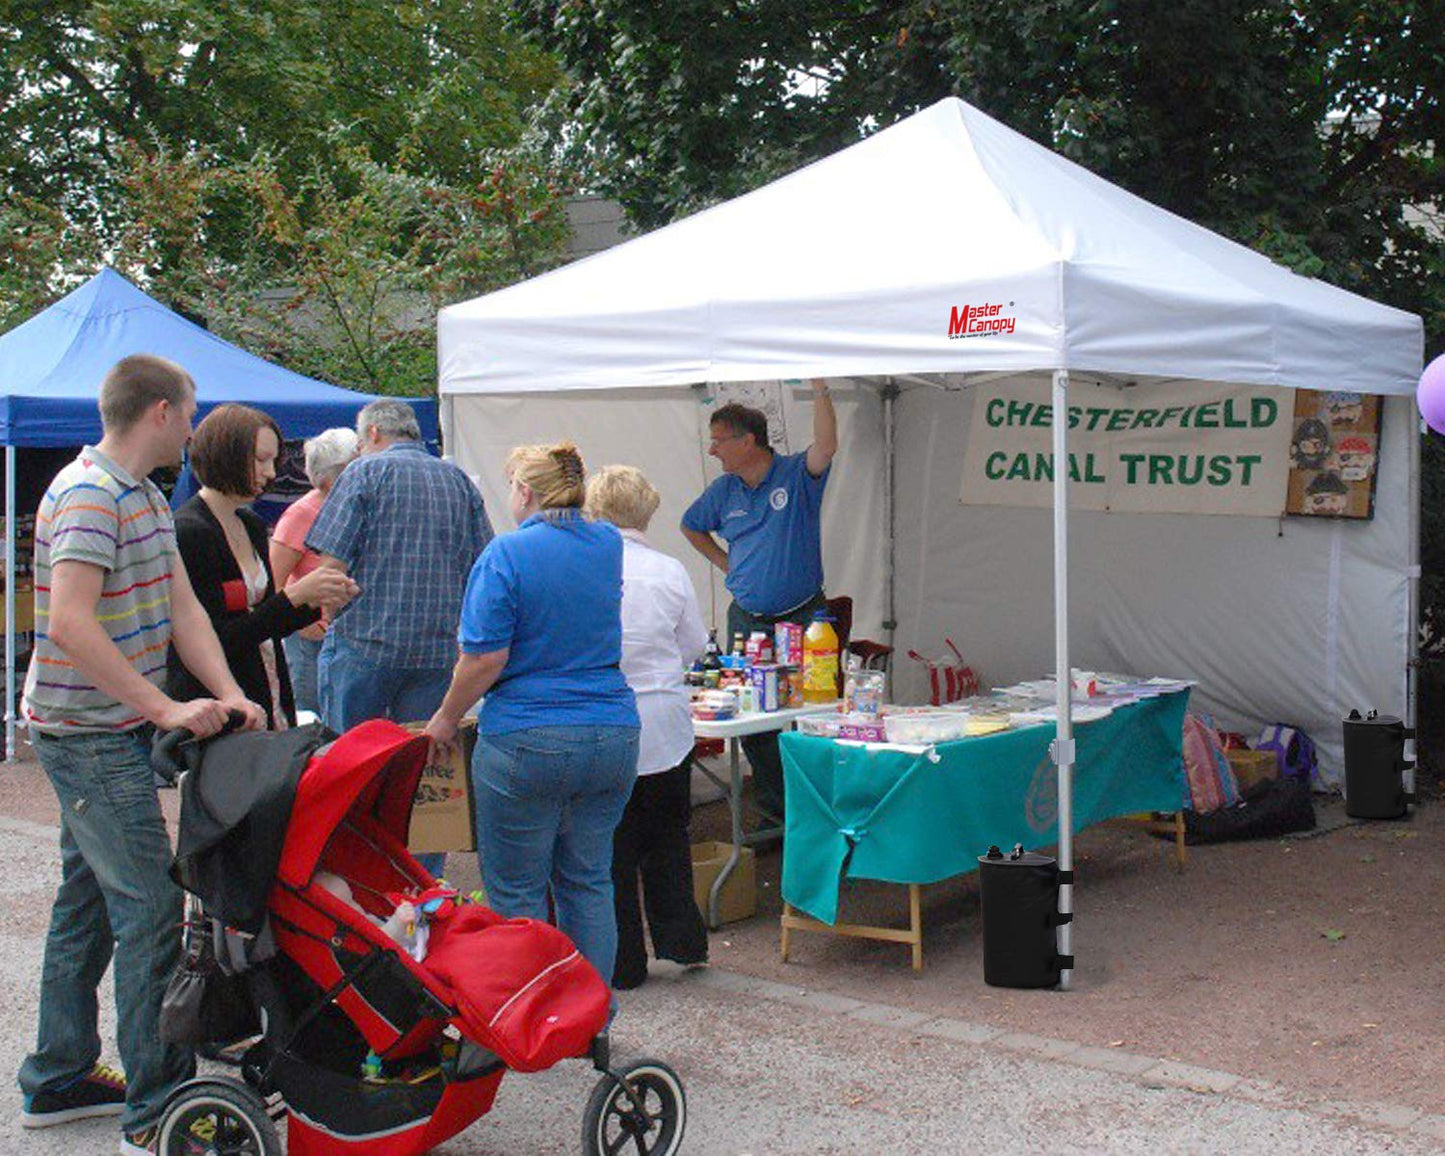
556, 755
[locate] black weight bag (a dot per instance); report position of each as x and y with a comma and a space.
1281, 807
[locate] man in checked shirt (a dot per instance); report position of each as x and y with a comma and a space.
407, 527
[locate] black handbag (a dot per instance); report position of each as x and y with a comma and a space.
203, 1004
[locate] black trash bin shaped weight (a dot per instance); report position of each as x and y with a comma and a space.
1019, 898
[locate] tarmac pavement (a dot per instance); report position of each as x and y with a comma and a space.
775, 1068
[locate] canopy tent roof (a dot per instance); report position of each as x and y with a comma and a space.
862, 263
51, 367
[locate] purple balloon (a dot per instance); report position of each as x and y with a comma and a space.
1430, 395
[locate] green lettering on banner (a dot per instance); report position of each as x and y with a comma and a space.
993, 468
1018, 412
1209, 412
1043, 416
1184, 476
993, 414
1260, 406
1095, 414
1247, 463
1144, 418
1090, 474
1230, 420
1161, 470
1220, 473
1166, 414
1019, 471
1118, 420
1131, 467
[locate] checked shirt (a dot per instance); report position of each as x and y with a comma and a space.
408, 526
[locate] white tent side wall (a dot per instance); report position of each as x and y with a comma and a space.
1281, 620
664, 432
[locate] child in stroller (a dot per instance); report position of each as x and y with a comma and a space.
295, 846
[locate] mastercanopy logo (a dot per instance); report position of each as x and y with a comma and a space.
985, 320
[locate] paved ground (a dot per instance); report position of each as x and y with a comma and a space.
778, 1067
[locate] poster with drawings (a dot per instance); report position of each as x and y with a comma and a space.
762, 395
1333, 454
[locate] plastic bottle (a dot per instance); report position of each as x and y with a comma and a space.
820, 659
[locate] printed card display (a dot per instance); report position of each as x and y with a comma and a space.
1334, 449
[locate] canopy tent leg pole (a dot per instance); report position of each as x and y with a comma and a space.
9, 604
890, 589
1412, 586
446, 419
1063, 748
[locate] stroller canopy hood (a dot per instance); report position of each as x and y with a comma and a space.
375, 766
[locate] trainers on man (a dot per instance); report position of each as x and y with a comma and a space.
142, 1143
100, 1092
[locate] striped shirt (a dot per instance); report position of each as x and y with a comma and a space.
96, 513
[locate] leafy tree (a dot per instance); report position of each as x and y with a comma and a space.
432, 87
311, 179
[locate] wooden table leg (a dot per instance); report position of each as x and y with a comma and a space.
1179, 846
787, 929
915, 924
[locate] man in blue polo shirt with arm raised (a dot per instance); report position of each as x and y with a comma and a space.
767, 508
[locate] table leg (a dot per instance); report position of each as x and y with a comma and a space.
915, 924
787, 928
735, 806
1179, 846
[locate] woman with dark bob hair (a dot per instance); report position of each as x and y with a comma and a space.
223, 545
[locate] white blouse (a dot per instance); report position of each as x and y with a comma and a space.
662, 634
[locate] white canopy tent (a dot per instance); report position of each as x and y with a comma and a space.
860, 267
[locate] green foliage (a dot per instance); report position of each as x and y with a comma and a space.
313, 180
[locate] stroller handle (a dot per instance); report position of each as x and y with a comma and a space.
173, 752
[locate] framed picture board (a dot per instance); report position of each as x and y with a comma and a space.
1333, 453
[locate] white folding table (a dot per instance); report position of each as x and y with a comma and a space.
734, 730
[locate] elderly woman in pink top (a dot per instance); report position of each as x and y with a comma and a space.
326, 456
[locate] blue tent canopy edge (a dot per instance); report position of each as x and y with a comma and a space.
51, 367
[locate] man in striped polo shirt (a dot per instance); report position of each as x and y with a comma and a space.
111, 596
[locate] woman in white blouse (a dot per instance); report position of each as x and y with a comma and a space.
662, 634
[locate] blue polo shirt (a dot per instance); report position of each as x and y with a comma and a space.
551, 594
775, 555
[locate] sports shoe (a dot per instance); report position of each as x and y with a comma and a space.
142, 1143
100, 1092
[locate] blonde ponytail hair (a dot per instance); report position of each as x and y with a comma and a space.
554, 473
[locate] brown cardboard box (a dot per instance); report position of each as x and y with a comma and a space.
1252, 769
441, 817
739, 898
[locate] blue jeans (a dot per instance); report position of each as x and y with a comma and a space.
354, 689
116, 894
547, 801
301, 658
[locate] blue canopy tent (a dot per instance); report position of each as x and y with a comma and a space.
51, 368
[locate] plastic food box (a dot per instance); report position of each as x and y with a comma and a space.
939, 727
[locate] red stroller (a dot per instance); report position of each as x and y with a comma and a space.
365, 1050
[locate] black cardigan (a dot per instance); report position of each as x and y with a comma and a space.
210, 566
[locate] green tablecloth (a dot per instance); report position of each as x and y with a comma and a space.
906, 818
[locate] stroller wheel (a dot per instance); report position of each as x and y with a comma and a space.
217, 1117
653, 1126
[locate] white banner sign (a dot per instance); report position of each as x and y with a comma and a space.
1189, 448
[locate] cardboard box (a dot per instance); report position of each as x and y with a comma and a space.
739, 898
1252, 769
441, 817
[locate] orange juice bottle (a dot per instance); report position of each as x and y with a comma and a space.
820, 659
